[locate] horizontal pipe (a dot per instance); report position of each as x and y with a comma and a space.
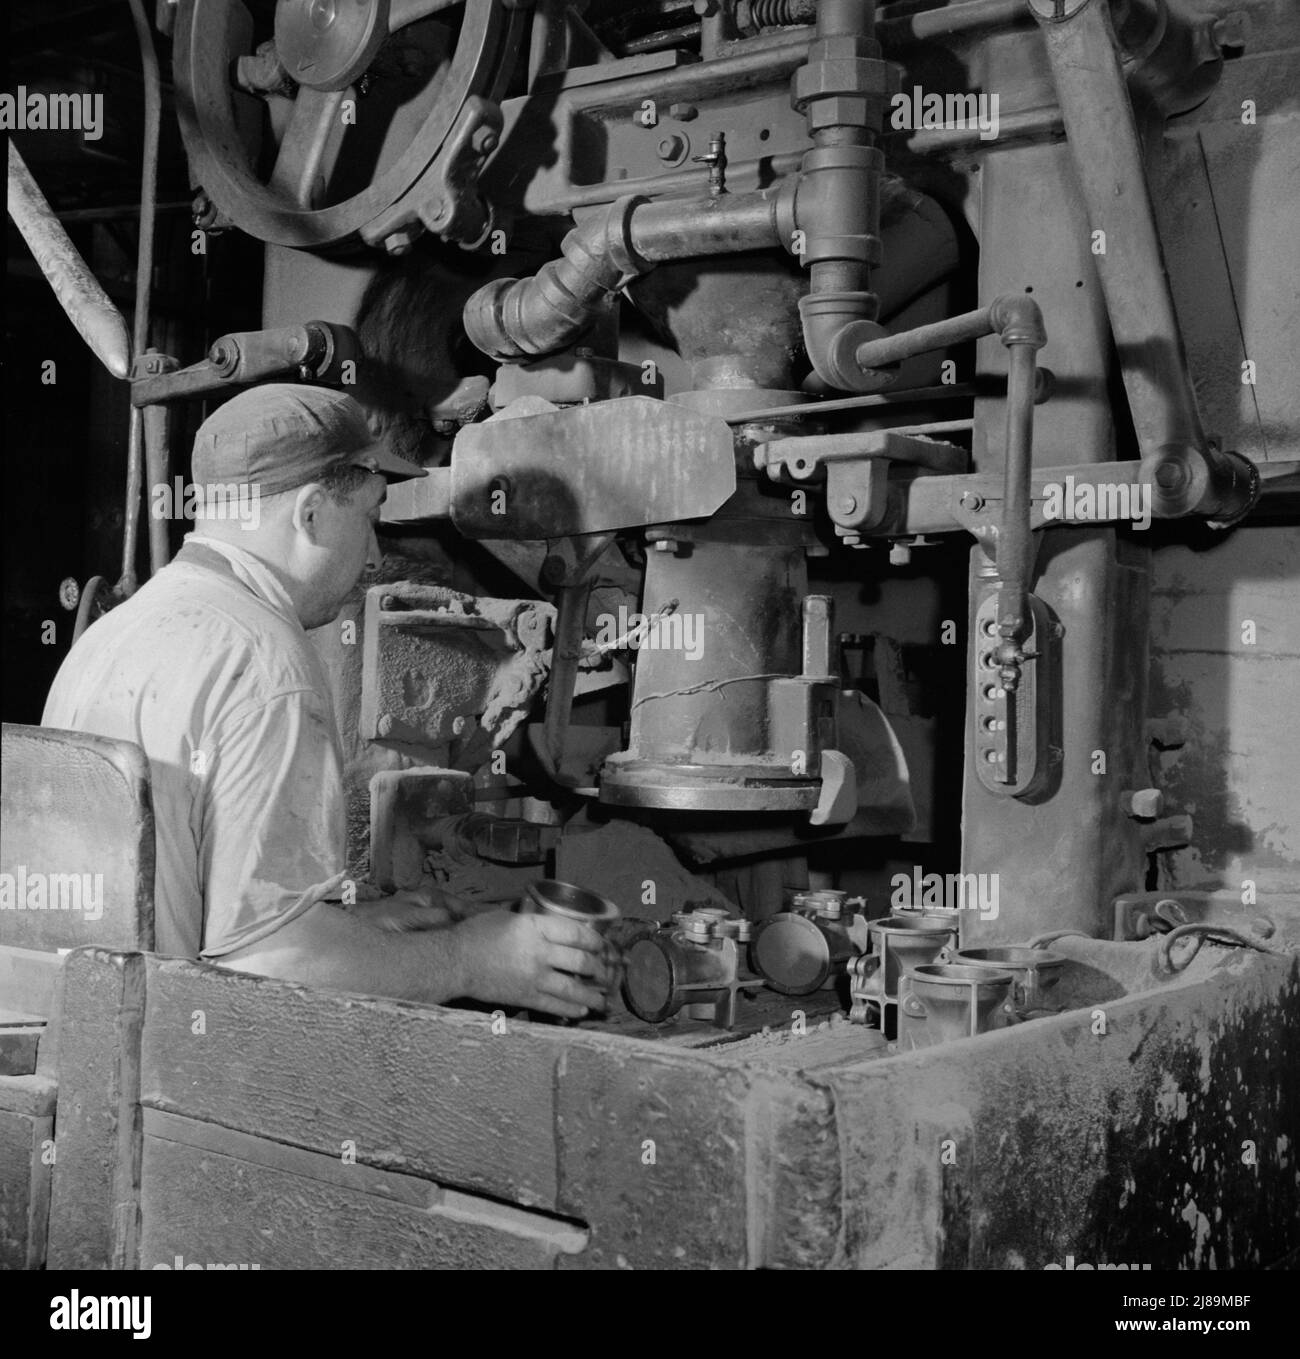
675, 228
947, 21
890, 349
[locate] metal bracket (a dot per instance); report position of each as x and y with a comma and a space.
1013, 751
447, 201
856, 469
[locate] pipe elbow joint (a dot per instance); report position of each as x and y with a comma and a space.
1017, 319
835, 325
517, 318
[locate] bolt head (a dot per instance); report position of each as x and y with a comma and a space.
1146, 803
847, 504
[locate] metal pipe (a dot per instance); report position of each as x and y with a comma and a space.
1107, 154
1015, 545
157, 461
143, 289
566, 654
658, 42
890, 349
79, 293
514, 318
1186, 475
841, 89
945, 21
677, 228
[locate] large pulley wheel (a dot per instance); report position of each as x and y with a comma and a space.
320, 108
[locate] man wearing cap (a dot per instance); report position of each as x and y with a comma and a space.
209, 669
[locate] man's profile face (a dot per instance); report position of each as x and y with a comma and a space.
348, 546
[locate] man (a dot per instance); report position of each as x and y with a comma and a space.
209, 669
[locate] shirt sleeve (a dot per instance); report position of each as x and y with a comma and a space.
272, 828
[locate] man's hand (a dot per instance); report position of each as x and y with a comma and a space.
540, 962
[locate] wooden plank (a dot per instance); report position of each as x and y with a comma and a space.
94, 1206
428, 1091
33, 1095
78, 840
350, 1174
206, 1209
652, 1153
18, 1049
29, 979
24, 1189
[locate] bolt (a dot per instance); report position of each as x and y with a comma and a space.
665, 545
1171, 474
385, 726
900, 554
1229, 30
684, 113
69, 594
457, 726
1143, 803
672, 147
847, 504
972, 502
484, 140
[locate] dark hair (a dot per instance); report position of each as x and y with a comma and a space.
343, 479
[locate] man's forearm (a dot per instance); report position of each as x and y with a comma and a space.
327, 947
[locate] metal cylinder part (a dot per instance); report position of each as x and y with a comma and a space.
713, 726
905, 941
1034, 972
954, 1000
798, 953
549, 897
691, 964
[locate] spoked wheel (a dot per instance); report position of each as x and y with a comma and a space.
339, 125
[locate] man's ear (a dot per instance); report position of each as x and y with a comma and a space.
307, 507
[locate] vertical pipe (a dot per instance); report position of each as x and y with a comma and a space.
143, 286
567, 651
1015, 538
157, 461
